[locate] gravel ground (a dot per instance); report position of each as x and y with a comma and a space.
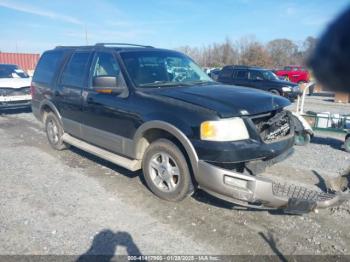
70, 203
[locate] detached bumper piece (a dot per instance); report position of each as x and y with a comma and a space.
263, 193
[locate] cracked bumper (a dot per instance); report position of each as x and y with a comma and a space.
261, 192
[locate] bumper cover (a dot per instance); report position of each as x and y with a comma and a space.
15, 104
261, 192
241, 151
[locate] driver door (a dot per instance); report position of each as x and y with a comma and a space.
106, 122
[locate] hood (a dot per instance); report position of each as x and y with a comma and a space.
226, 100
284, 83
15, 82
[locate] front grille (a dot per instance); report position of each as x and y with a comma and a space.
14, 92
274, 126
299, 192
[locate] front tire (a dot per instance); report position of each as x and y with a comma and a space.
275, 92
54, 131
347, 145
166, 171
302, 139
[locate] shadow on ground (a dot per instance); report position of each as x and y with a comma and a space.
330, 141
15, 111
105, 246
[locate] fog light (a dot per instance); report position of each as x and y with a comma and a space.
236, 182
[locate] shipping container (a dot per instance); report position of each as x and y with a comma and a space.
25, 61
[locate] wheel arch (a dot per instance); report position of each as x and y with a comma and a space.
47, 106
152, 130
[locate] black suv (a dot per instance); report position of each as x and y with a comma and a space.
258, 78
156, 110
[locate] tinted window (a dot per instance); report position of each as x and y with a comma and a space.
226, 72
47, 66
106, 65
75, 71
256, 75
241, 74
162, 68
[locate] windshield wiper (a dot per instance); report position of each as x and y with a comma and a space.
200, 82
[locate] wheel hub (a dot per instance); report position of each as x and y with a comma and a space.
164, 172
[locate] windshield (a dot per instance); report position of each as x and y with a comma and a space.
269, 75
12, 71
162, 68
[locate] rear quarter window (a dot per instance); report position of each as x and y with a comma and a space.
47, 67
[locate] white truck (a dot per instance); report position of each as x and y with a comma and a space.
14, 87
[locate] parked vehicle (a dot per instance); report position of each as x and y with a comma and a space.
14, 87
214, 74
294, 73
258, 78
156, 110
347, 142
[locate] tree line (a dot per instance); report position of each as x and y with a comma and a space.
249, 51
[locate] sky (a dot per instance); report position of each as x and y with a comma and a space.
38, 25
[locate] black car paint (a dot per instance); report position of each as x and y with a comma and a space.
183, 107
262, 84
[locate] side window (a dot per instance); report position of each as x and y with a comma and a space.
287, 68
47, 66
226, 72
106, 65
242, 74
295, 69
255, 75
75, 72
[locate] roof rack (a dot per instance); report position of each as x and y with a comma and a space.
122, 44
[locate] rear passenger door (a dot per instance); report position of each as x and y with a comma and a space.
68, 95
241, 78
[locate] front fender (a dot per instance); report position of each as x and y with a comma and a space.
171, 129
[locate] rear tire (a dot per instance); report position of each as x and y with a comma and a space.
347, 145
54, 132
166, 171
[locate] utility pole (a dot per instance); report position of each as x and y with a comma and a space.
86, 36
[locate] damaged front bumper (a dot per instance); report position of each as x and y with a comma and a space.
261, 192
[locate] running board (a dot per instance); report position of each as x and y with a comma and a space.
132, 165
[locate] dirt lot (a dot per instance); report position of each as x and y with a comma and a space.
70, 202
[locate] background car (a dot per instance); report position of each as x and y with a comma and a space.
258, 78
14, 87
294, 73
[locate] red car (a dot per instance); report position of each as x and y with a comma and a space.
295, 74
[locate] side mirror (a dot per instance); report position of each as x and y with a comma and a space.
107, 85
259, 78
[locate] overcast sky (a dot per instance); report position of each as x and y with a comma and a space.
37, 25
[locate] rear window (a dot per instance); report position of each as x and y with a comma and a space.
75, 71
47, 66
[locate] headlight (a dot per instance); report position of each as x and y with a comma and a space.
232, 129
286, 89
